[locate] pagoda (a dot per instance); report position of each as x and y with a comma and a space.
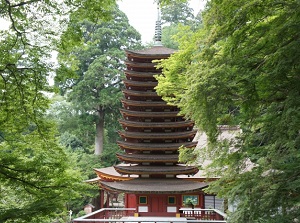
150, 176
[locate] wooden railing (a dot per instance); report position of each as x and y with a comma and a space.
106, 213
146, 221
187, 215
202, 214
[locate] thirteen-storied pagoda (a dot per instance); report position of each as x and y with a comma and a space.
150, 176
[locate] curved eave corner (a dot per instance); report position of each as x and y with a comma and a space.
110, 174
93, 181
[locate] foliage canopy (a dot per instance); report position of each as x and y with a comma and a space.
36, 177
243, 68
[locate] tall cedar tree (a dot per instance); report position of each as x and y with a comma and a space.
95, 89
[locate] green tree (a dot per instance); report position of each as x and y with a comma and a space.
96, 88
72, 125
174, 17
243, 67
36, 177
177, 12
75, 130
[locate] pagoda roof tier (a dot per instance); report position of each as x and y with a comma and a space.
150, 114
139, 64
150, 158
110, 174
140, 93
140, 83
156, 52
178, 124
154, 170
140, 74
155, 146
160, 135
154, 186
145, 103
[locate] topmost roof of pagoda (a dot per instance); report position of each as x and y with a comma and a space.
155, 51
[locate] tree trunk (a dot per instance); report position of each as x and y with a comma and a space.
99, 137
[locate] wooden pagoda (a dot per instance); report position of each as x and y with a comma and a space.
150, 176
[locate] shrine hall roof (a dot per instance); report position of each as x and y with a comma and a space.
155, 50
159, 186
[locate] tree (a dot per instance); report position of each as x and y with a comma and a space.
243, 67
177, 12
36, 177
71, 123
75, 131
96, 91
174, 17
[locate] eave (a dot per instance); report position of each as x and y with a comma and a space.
153, 170
110, 174
149, 158
133, 103
155, 146
151, 94
149, 114
160, 135
153, 125
140, 74
155, 52
148, 84
139, 64
157, 186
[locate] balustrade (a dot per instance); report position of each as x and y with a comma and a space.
125, 215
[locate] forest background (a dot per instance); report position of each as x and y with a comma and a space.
237, 64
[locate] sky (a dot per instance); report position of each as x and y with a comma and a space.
142, 15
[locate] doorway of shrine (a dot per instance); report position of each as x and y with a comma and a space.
158, 203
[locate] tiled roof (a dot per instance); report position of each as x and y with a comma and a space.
158, 186
161, 104
140, 93
141, 169
155, 146
153, 51
150, 114
140, 83
110, 171
139, 73
149, 157
138, 64
158, 135
157, 124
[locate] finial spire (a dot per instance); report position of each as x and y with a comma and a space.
158, 26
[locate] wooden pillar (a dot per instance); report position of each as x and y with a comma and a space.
126, 200
101, 198
107, 199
